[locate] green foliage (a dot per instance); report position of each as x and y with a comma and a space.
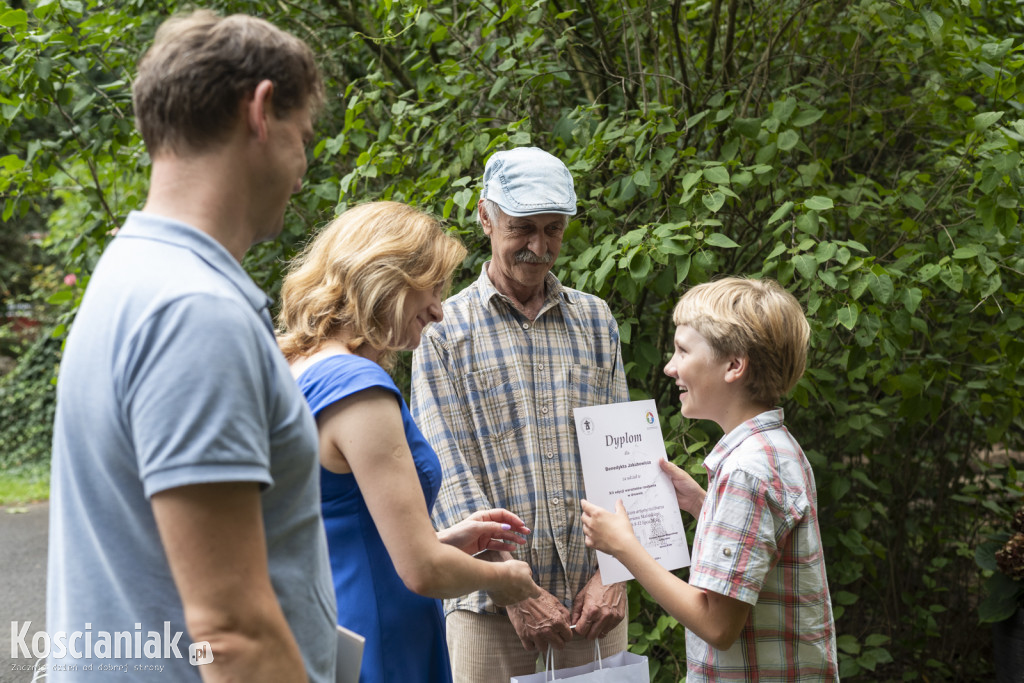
27, 402
865, 153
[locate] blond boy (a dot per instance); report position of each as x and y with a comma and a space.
757, 604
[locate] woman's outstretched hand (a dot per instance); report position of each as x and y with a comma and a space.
496, 529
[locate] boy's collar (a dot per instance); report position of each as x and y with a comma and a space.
769, 419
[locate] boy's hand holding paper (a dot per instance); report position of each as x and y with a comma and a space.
621, 448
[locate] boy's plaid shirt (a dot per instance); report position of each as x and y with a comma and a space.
758, 541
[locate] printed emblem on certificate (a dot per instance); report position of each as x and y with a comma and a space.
620, 447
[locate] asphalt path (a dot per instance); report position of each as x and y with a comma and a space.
23, 537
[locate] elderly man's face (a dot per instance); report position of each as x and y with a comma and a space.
524, 248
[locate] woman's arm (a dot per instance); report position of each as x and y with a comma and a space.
365, 431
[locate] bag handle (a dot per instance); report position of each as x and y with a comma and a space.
549, 660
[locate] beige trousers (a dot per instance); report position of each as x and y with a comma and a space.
484, 648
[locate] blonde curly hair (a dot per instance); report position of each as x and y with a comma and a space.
353, 278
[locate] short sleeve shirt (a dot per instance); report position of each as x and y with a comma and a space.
170, 377
758, 541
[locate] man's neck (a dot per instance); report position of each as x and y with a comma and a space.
529, 300
202, 192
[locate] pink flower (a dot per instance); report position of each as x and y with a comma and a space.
70, 279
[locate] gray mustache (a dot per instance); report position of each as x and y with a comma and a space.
527, 256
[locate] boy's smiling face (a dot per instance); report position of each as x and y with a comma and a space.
700, 376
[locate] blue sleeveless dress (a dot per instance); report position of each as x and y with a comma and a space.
405, 637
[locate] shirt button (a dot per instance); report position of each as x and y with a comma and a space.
555, 501
544, 410
727, 552
540, 366
550, 454
526, 326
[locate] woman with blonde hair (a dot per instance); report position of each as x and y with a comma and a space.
363, 290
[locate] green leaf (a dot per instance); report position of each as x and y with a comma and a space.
691, 179
819, 203
911, 298
806, 117
847, 316
640, 265
984, 120
780, 212
845, 598
788, 139
717, 174
713, 201
848, 643
14, 18
776, 250
953, 277
934, 23
748, 128
928, 271
881, 287
806, 265
914, 201
968, 252
60, 297
717, 239
682, 269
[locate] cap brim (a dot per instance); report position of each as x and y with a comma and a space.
536, 212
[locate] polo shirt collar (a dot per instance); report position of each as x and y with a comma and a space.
770, 419
140, 225
555, 292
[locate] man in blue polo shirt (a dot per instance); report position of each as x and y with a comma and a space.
185, 497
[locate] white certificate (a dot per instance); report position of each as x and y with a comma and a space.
620, 447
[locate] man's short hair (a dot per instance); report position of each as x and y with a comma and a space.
355, 275
201, 66
757, 319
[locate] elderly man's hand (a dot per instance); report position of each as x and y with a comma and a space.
597, 608
540, 622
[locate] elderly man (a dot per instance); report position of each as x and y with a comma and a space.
185, 482
494, 385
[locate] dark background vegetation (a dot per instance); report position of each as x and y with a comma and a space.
866, 153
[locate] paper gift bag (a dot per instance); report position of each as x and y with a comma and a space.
621, 667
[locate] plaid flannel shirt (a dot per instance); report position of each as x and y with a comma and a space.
758, 541
493, 393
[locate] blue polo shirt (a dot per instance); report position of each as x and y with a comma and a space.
171, 376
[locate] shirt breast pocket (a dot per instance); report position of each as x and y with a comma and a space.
496, 400
589, 385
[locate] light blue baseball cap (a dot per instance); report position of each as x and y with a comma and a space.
526, 181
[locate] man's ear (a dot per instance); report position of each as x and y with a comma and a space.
485, 219
259, 108
736, 368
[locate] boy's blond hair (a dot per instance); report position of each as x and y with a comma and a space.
757, 319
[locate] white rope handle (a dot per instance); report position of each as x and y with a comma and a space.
549, 664
549, 660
